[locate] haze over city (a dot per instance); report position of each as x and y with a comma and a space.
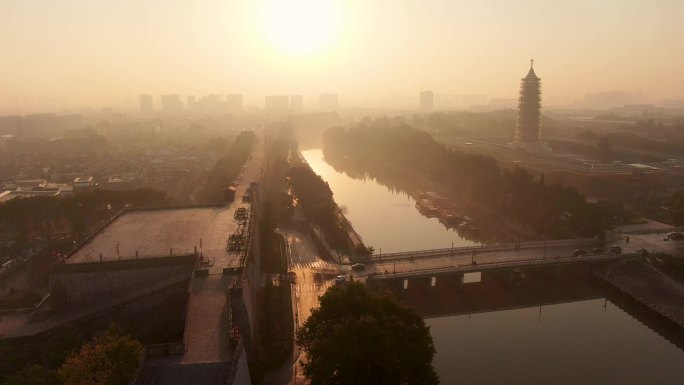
346, 192
97, 54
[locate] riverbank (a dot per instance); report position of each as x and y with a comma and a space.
482, 224
649, 287
339, 232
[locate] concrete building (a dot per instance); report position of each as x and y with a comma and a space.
146, 104
84, 183
427, 101
328, 102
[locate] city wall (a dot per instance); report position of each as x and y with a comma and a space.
83, 284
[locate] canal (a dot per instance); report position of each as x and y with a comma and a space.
585, 342
494, 333
386, 219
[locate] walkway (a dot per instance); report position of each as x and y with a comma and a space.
206, 335
206, 339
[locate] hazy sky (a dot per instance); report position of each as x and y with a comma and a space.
97, 52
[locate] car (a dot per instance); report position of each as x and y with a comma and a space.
340, 279
579, 252
358, 267
675, 236
616, 250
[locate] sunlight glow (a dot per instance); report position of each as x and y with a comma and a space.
300, 26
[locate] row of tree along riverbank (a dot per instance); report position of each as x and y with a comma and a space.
385, 149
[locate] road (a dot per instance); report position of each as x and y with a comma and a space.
314, 277
630, 243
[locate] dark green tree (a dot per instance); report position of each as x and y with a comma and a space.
107, 360
33, 375
677, 208
358, 336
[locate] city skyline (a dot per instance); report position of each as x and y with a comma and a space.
87, 54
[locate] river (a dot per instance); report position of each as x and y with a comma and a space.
583, 340
386, 219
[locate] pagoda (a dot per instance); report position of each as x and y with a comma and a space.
528, 127
529, 108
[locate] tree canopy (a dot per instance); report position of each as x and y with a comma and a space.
33, 375
358, 336
677, 208
392, 150
107, 360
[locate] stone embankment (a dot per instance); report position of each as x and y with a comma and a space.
649, 287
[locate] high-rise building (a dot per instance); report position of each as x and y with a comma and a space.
146, 104
171, 103
528, 127
296, 103
328, 102
277, 103
427, 101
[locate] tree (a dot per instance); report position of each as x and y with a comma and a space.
361, 337
677, 208
107, 360
33, 375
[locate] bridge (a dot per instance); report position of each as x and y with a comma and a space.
432, 263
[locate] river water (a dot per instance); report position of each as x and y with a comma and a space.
385, 219
585, 341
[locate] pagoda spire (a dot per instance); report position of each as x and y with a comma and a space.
528, 126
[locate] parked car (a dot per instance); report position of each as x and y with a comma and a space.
359, 267
675, 236
340, 279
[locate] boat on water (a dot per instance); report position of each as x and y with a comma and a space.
427, 209
433, 205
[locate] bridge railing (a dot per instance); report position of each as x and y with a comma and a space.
485, 248
468, 267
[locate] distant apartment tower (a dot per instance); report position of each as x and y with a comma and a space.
328, 102
528, 127
146, 104
427, 101
171, 103
296, 103
277, 103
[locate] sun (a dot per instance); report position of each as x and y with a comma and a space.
300, 26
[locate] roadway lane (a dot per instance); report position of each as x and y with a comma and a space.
480, 257
314, 277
